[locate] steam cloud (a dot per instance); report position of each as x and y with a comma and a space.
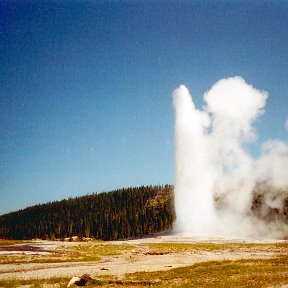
219, 187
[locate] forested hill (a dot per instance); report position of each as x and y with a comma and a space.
123, 213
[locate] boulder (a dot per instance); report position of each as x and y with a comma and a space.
84, 280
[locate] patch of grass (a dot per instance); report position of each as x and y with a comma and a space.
240, 273
105, 281
33, 283
167, 248
54, 258
80, 252
237, 274
4, 242
246, 273
102, 249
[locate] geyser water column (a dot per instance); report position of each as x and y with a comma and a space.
193, 180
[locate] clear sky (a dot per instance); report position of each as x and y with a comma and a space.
86, 88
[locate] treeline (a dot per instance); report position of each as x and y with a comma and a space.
123, 213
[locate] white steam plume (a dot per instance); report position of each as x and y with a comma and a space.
193, 179
216, 178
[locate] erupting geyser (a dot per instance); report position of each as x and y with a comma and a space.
193, 180
219, 187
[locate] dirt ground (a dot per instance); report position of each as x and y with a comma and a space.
137, 259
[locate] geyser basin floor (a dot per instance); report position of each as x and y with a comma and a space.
162, 252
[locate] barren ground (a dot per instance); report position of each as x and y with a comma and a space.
141, 256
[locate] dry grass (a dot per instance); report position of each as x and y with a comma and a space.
33, 283
101, 249
4, 242
80, 252
241, 273
237, 274
169, 248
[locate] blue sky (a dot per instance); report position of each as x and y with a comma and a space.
86, 88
